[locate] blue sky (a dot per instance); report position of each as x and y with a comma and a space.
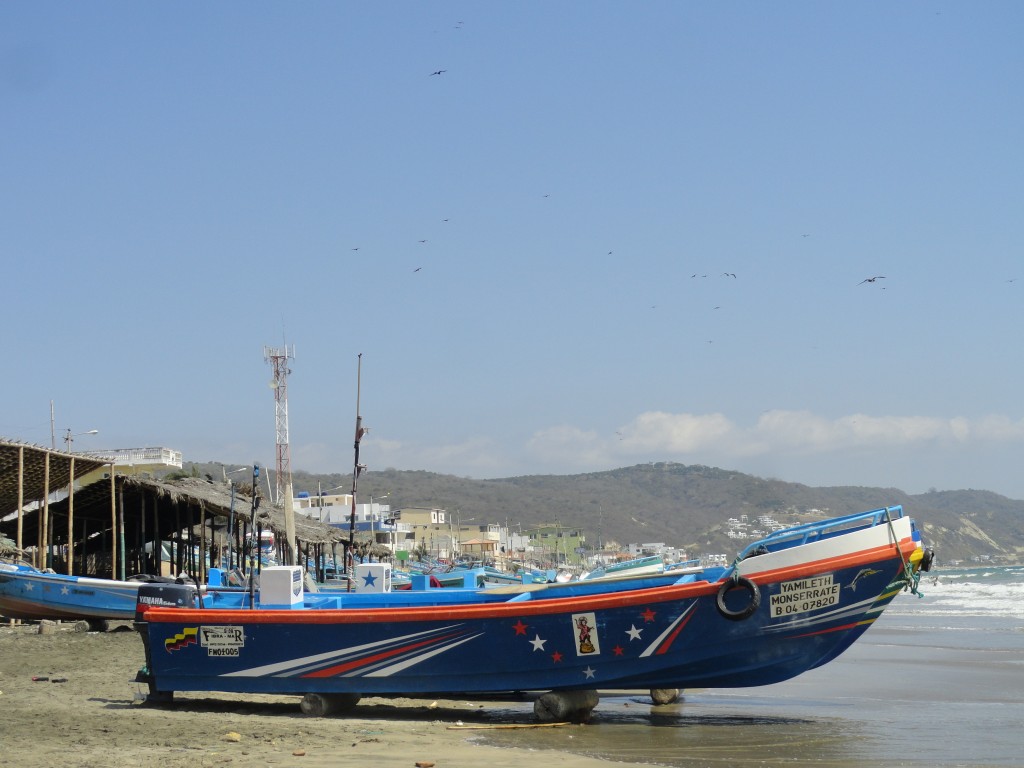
607, 233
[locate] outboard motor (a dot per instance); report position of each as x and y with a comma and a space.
164, 596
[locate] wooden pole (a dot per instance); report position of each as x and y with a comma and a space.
21, 494
46, 515
141, 546
113, 525
71, 519
202, 542
120, 539
356, 469
176, 541
158, 543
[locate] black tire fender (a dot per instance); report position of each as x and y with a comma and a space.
927, 560
738, 582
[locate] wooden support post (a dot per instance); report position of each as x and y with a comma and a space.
176, 541
44, 522
122, 555
158, 543
141, 542
202, 543
21, 494
113, 526
71, 519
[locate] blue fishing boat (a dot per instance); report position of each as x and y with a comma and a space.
788, 603
27, 592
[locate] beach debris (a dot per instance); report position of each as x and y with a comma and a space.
575, 706
58, 679
40, 678
233, 736
298, 753
323, 704
663, 696
505, 726
47, 627
424, 764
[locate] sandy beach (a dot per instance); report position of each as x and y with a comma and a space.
935, 683
88, 712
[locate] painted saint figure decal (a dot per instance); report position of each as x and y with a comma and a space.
584, 626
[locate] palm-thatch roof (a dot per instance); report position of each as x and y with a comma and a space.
128, 512
36, 471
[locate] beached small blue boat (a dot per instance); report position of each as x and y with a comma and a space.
29, 593
790, 602
637, 566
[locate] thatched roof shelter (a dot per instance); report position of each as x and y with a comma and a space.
29, 472
121, 517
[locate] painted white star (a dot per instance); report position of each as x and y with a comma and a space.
537, 643
633, 632
64, 590
29, 586
589, 672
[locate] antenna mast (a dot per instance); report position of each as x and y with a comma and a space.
278, 358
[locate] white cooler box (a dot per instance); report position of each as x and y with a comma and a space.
281, 587
373, 577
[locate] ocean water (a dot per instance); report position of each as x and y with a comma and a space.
936, 681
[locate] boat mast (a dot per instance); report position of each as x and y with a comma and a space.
357, 468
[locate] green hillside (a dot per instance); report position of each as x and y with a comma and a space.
686, 506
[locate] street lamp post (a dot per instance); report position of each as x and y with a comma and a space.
459, 519
320, 497
69, 438
373, 516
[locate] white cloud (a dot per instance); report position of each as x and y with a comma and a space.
677, 432
687, 436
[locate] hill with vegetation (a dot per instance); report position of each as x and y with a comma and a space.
685, 506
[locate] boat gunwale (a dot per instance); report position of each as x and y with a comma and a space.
516, 608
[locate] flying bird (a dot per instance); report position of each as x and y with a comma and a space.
728, 274
423, 241
438, 72
871, 279
417, 269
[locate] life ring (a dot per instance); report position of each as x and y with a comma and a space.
738, 582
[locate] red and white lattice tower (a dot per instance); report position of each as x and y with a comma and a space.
278, 358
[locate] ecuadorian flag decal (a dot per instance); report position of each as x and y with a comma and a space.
181, 640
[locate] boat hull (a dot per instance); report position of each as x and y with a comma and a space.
27, 593
784, 613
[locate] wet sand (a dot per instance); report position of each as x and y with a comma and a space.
94, 716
